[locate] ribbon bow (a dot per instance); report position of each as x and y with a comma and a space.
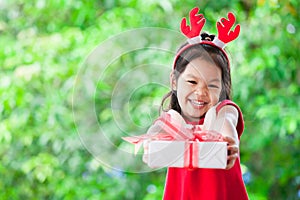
171, 126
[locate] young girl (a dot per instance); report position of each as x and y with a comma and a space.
201, 82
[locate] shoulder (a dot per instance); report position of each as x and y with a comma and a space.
227, 104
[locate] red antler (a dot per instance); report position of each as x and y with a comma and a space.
197, 21
224, 26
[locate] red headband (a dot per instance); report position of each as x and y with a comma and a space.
197, 21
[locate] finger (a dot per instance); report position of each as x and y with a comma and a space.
233, 149
231, 161
233, 156
228, 139
230, 165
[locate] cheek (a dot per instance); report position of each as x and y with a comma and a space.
215, 96
182, 89
181, 94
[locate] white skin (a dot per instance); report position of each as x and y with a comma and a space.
198, 89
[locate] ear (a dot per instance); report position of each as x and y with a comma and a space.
173, 82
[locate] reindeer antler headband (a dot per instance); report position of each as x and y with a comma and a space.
193, 31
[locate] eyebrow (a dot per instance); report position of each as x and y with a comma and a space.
215, 80
193, 76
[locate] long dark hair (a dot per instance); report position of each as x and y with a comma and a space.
209, 53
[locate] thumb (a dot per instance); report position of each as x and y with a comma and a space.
229, 139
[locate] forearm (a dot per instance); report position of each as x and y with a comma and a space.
226, 122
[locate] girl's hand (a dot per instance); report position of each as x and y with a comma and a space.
233, 151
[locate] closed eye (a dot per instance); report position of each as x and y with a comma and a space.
213, 86
192, 82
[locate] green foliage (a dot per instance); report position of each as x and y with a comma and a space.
44, 44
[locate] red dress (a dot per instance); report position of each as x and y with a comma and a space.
207, 184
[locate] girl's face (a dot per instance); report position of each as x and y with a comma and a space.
198, 88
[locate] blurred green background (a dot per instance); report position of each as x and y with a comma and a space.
44, 44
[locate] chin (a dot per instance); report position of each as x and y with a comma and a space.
198, 116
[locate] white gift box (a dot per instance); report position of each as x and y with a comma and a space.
192, 154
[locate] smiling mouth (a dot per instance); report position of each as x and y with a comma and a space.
198, 104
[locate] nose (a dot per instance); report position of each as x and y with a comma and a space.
201, 90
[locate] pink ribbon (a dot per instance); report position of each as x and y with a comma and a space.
138, 140
169, 127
